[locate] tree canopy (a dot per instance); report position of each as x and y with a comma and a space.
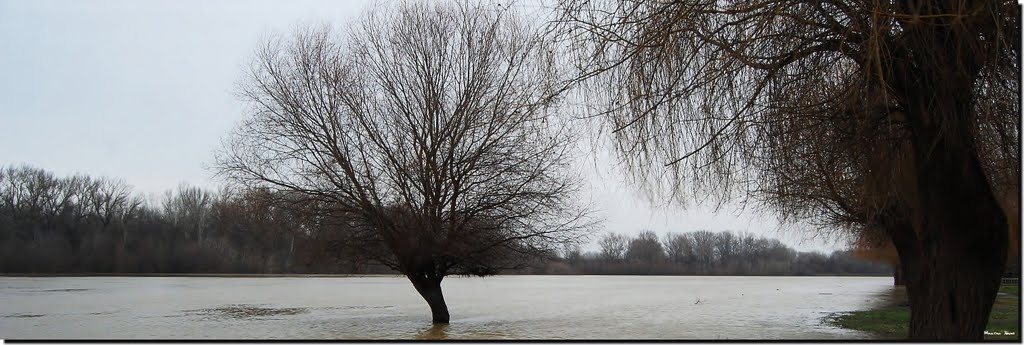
883, 116
427, 129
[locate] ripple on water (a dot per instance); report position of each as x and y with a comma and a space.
359, 307
245, 311
24, 315
62, 290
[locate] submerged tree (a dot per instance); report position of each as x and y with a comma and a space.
426, 133
897, 117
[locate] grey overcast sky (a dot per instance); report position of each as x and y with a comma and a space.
142, 90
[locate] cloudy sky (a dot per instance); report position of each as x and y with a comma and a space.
142, 90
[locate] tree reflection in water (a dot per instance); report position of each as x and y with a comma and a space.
435, 332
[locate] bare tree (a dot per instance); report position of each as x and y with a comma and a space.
678, 248
646, 248
107, 203
703, 249
725, 247
898, 103
427, 130
613, 247
572, 253
190, 208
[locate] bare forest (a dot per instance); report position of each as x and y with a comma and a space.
81, 224
706, 253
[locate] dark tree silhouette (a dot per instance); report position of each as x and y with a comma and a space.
426, 130
907, 106
613, 247
645, 248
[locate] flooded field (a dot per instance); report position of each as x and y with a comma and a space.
505, 307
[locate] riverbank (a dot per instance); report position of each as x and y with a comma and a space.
892, 322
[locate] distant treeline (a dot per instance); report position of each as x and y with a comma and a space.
706, 253
81, 224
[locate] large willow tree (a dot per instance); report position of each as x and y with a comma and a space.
425, 134
899, 117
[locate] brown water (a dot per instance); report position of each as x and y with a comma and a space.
505, 307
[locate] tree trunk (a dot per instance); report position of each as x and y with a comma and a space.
953, 262
291, 254
950, 299
430, 289
124, 237
952, 266
962, 257
897, 276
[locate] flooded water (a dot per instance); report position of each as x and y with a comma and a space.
504, 307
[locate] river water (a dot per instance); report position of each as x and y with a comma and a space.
503, 307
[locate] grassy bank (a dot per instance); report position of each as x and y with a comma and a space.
892, 322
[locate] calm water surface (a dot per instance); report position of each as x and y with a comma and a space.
506, 307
